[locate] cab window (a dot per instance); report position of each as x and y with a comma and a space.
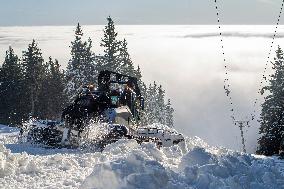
114, 100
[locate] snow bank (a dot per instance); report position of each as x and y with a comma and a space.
126, 164
58, 170
133, 166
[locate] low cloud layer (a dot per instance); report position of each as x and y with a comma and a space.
232, 34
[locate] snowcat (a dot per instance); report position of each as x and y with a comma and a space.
116, 103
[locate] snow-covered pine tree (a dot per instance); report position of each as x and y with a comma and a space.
272, 119
151, 104
90, 64
126, 66
156, 110
125, 63
169, 114
141, 84
161, 107
33, 64
81, 68
148, 116
12, 107
52, 97
110, 59
138, 75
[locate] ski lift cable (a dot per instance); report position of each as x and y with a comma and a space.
264, 78
226, 80
227, 86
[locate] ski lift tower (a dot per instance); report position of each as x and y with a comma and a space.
242, 124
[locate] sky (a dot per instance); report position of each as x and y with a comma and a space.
165, 12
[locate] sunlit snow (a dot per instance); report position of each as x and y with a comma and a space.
126, 164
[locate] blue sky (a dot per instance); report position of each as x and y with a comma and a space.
68, 12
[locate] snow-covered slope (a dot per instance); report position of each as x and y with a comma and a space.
126, 164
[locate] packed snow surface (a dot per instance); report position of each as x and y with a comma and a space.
126, 164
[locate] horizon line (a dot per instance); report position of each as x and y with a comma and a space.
141, 25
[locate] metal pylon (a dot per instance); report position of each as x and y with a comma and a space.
241, 125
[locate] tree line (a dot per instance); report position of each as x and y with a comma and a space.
33, 87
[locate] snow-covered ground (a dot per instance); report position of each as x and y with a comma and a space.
126, 164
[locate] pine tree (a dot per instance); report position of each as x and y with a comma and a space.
148, 116
34, 69
57, 85
138, 75
81, 68
160, 103
126, 66
141, 84
110, 59
156, 111
12, 108
52, 97
44, 94
272, 120
169, 114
